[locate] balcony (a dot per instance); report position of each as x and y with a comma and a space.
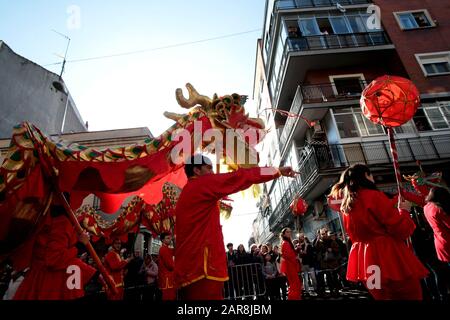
331, 92
337, 41
320, 165
317, 96
300, 4
303, 53
378, 152
329, 158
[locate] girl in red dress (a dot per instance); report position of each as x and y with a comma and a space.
379, 256
290, 265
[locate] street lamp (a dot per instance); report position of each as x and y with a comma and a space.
60, 87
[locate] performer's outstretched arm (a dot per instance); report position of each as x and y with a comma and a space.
221, 185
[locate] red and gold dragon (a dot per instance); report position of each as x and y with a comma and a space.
150, 173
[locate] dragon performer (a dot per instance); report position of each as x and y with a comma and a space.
38, 170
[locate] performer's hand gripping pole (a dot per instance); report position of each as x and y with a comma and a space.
109, 281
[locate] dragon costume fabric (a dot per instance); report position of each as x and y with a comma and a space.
37, 167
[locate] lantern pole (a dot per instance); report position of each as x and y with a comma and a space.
398, 176
394, 152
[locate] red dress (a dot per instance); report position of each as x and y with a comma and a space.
165, 273
290, 266
53, 252
115, 266
378, 232
440, 223
200, 250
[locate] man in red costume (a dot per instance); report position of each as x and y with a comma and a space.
200, 259
115, 266
55, 272
166, 267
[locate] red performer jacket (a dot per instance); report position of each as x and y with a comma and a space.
289, 262
200, 250
165, 268
53, 252
440, 222
114, 264
378, 232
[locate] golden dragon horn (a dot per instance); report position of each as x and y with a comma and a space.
194, 98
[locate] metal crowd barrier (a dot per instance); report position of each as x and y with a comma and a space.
245, 281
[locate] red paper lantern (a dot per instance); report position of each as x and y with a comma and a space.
299, 206
390, 101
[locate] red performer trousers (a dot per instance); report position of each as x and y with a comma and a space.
295, 286
203, 289
409, 289
169, 294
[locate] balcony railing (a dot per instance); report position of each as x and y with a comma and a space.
316, 159
308, 168
280, 212
378, 152
337, 41
300, 4
329, 92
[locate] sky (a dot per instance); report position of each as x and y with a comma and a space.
133, 90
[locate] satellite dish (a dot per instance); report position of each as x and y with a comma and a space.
340, 8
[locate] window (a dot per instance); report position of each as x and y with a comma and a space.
309, 27
438, 117
356, 24
434, 64
346, 126
347, 85
406, 128
421, 121
285, 4
339, 25
414, 19
372, 128
267, 45
437, 67
325, 26
434, 116
292, 29
351, 124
